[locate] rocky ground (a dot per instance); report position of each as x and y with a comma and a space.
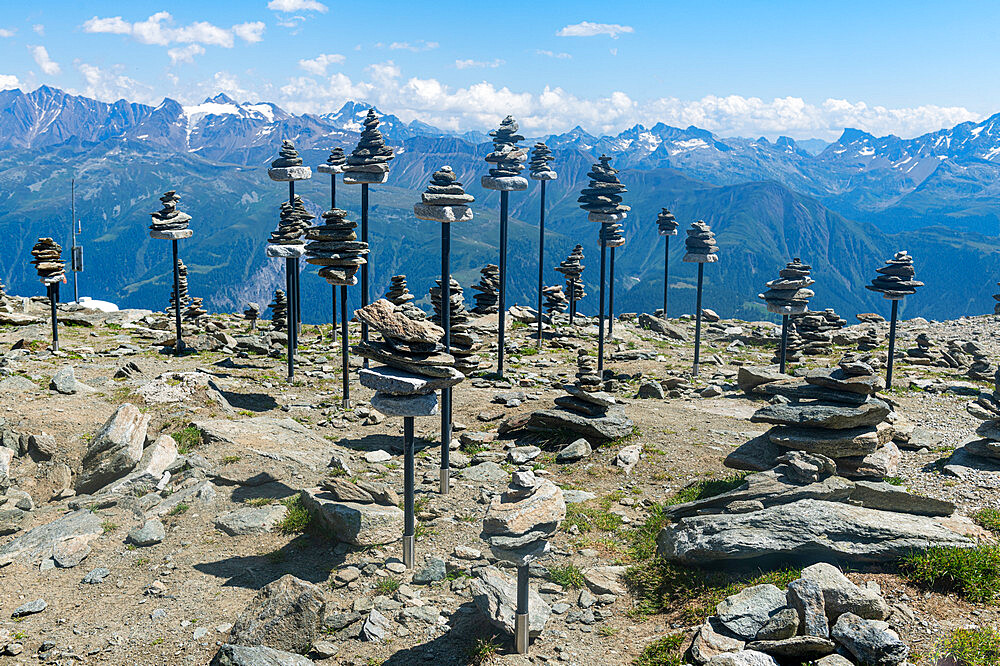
160, 570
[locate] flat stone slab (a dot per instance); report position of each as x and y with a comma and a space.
251, 519
357, 524
284, 251
601, 218
613, 425
385, 379
823, 416
887, 497
700, 258
425, 404
442, 213
330, 169
37, 544
544, 175
19, 319
833, 443
171, 234
813, 529
365, 177
285, 174
504, 183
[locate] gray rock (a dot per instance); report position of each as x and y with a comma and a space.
745, 613
868, 642
37, 544
770, 489
519, 455
486, 472
384, 379
251, 519
709, 643
343, 490
799, 648
809, 528
11, 519
613, 425
6, 456
406, 405
658, 325
418, 615
496, 597
834, 660
96, 576
357, 524
375, 626
433, 571
574, 451
651, 390
156, 458
841, 596
783, 624
286, 614
883, 462
810, 415
44, 445
150, 534
30, 608
577, 496
243, 655
887, 497
64, 381
114, 450
833, 443
806, 597
742, 658
751, 377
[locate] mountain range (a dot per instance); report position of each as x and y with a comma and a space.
843, 207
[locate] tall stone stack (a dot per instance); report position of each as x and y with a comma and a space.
251, 314
182, 287
794, 346
895, 280
506, 160
286, 240
334, 247
287, 167
602, 199
666, 223
195, 313
279, 311
700, 244
572, 268
335, 163
464, 342
48, 261
540, 168
400, 296
488, 290
834, 412
169, 223
368, 163
555, 300
980, 368
790, 293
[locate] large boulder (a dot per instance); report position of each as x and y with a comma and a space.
812, 528
507, 516
6, 455
746, 612
285, 615
156, 458
841, 596
496, 597
39, 544
808, 415
114, 450
869, 641
243, 655
613, 424
352, 522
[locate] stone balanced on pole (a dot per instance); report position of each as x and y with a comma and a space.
603, 202
540, 169
286, 242
895, 282
666, 225
504, 176
335, 248
572, 268
51, 271
701, 249
415, 366
788, 295
334, 164
172, 225
367, 165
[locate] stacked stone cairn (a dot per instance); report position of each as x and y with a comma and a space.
586, 409
369, 162
700, 244
518, 525
334, 163
816, 330
555, 300
666, 223
182, 287
980, 368
414, 364
400, 296
539, 168
288, 165
168, 222
335, 248
602, 199
194, 313
488, 290
869, 338
831, 412
464, 342
507, 159
572, 268
924, 353
790, 293
986, 408
286, 241
794, 346
251, 314
895, 279
445, 199
279, 311
48, 261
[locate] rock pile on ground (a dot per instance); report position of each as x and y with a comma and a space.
816, 330
194, 312
334, 246
821, 618
540, 167
586, 409
794, 346
700, 244
369, 162
555, 300
464, 342
980, 369
487, 290
832, 412
869, 339
168, 218
48, 261
572, 268
182, 287
506, 160
400, 296
251, 314
986, 447
279, 310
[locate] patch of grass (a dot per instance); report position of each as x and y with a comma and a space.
387, 586
972, 573
708, 488
663, 652
988, 518
336, 471
108, 527
297, 520
894, 481
179, 509
971, 647
229, 460
484, 651
607, 631
568, 575
587, 518
259, 501
187, 439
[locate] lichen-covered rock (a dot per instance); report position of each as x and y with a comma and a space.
285, 615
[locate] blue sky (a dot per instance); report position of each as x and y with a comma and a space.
748, 68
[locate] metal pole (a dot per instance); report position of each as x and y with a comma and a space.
333, 288
446, 325
521, 616
697, 320
409, 530
293, 294
178, 341
572, 300
364, 266
72, 251
298, 301
892, 345
666, 262
290, 318
541, 264
600, 313
344, 365
53, 300
502, 314
784, 342
611, 296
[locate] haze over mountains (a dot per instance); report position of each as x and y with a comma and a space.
843, 209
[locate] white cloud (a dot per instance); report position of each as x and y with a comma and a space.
553, 54
8, 81
415, 47
159, 29
185, 53
588, 29
111, 85
296, 6
4, 32
41, 55
467, 64
319, 64
39, 29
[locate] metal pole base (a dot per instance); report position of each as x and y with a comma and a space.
445, 481
521, 632
409, 550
